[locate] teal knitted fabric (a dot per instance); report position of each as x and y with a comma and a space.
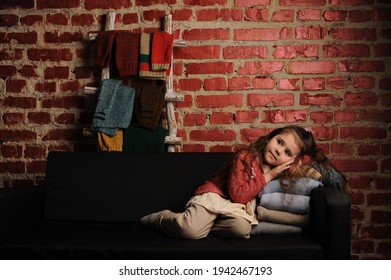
114, 108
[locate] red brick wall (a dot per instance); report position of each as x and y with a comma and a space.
250, 66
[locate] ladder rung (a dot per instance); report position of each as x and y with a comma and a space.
173, 140
90, 90
170, 96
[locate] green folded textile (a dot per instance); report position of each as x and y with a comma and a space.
139, 139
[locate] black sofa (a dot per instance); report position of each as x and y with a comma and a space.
91, 205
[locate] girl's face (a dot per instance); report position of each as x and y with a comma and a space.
281, 148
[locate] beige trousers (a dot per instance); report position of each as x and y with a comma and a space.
196, 222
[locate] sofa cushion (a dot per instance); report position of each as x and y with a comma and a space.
132, 241
123, 187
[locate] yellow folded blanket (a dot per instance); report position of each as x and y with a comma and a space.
282, 217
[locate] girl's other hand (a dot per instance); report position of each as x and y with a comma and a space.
275, 171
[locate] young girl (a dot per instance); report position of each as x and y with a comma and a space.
226, 203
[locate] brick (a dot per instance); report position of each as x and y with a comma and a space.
63, 134
231, 15
239, 83
9, 20
39, 117
212, 135
57, 19
237, 52
13, 167
364, 82
359, 16
375, 115
221, 118
182, 15
382, 49
16, 85
310, 15
194, 148
64, 102
198, 52
267, 100
378, 199
251, 134
385, 83
36, 166
310, 33
289, 84
256, 14
11, 54
325, 133
314, 84
363, 246
31, 19
72, 86
363, 133
220, 149
296, 51
363, 99
345, 116
29, 71
194, 119
207, 14
335, 15
147, 3
14, 118
57, 72
83, 20
355, 165
261, 34
19, 37
368, 34
219, 101
321, 99
292, 116
65, 118
65, 37
263, 83
248, 116
337, 82
311, 67
215, 84
349, 50
7, 71
385, 166
273, 116
321, 117
50, 54
283, 16
17, 135
257, 68
35, 152
210, 68
11, 151
46, 87
21, 102
58, 4
153, 15
342, 149
367, 150
191, 84
206, 34
302, 2
250, 3
24, 4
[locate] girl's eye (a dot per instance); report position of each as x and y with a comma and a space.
288, 153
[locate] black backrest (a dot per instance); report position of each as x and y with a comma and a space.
122, 187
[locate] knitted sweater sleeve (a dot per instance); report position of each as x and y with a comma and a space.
244, 185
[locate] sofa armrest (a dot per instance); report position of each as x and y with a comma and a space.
20, 209
330, 222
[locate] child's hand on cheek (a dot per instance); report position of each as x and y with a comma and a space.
275, 171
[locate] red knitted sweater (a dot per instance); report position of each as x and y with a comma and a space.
242, 186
